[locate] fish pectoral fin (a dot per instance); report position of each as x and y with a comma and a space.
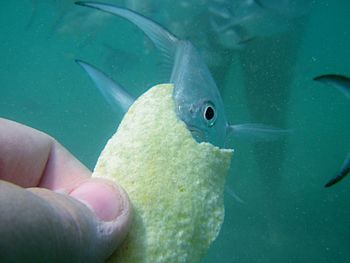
257, 131
344, 171
115, 95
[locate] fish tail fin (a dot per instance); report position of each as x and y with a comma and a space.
115, 95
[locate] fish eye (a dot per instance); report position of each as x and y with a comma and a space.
209, 114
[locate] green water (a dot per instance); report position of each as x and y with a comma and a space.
287, 214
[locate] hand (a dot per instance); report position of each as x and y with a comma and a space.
51, 210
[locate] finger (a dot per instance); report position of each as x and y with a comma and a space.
32, 158
39, 225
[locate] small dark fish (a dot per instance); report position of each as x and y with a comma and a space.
343, 172
338, 81
258, 3
343, 84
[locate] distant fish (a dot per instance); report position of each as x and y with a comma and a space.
343, 84
119, 59
144, 7
232, 36
33, 14
75, 20
58, 10
235, 22
228, 26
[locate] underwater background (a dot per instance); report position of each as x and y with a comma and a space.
263, 55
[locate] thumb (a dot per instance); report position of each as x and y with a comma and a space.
111, 213
39, 225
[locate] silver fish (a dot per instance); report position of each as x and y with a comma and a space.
343, 84
197, 98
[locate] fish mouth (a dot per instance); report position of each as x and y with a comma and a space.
197, 134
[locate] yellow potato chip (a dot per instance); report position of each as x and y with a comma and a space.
175, 184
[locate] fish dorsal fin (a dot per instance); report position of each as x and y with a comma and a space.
116, 96
184, 59
164, 40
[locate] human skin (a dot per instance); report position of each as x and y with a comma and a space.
51, 210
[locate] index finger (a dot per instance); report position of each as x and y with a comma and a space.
31, 158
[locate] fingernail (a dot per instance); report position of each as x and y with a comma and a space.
105, 199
